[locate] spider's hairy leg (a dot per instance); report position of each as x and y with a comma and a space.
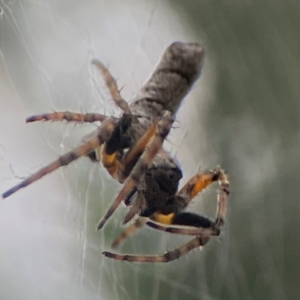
68, 116
139, 222
153, 146
104, 132
112, 86
169, 256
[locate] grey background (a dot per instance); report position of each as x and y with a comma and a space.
242, 114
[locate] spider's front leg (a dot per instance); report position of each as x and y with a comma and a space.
88, 117
68, 116
103, 133
153, 146
112, 86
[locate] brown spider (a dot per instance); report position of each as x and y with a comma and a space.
130, 148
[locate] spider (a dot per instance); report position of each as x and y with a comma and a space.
130, 148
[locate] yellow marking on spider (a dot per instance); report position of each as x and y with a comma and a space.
108, 159
163, 219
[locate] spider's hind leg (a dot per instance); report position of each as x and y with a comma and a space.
167, 257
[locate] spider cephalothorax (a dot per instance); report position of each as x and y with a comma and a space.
130, 148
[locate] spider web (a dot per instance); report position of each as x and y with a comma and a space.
234, 116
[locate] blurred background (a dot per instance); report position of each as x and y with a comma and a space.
242, 113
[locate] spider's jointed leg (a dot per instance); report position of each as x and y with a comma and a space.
169, 256
102, 135
68, 116
112, 86
153, 146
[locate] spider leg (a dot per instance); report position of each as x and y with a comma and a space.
168, 256
104, 132
68, 116
153, 146
139, 222
112, 86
